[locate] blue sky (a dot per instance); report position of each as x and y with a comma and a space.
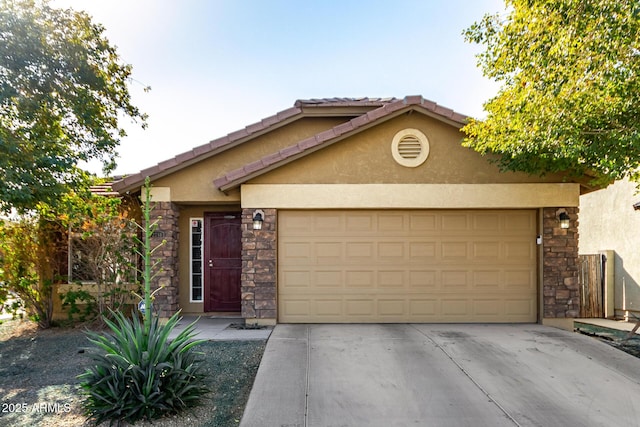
216, 66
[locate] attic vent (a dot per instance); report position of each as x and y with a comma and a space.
410, 148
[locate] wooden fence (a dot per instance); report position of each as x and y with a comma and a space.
592, 274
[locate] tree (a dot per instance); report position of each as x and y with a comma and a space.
28, 267
63, 89
570, 95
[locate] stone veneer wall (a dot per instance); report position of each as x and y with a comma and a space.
258, 278
561, 291
166, 300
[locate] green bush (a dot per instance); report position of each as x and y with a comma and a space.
138, 376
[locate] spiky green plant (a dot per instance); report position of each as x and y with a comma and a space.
137, 376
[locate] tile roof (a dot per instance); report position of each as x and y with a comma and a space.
231, 140
376, 108
343, 102
207, 150
105, 188
389, 108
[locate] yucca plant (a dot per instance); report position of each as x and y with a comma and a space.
141, 376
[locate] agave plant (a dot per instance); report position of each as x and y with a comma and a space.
141, 376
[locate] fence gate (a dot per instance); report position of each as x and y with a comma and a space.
592, 274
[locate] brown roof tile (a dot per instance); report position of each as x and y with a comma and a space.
289, 112
305, 144
326, 137
413, 99
271, 159
103, 190
344, 127
205, 150
344, 102
253, 166
292, 150
381, 107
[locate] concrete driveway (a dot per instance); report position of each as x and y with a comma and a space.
441, 375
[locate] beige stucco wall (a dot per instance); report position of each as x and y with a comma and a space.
186, 213
194, 184
367, 158
410, 196
609, 222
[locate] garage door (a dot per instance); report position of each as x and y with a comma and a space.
407, 266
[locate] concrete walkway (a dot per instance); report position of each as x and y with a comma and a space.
221, 329
441, 375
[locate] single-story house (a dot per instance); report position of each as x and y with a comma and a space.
361, 210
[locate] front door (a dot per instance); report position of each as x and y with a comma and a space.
222, 262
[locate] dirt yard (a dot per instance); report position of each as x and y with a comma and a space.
38, 384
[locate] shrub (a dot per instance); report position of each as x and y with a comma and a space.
80, 305
142, 376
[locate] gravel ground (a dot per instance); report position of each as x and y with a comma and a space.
38, 385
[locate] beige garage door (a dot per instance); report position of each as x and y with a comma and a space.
407, 266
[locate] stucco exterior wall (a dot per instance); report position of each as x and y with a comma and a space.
609, 222
367, 158
195, 183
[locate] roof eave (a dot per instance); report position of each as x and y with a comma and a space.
375, 117
203, 152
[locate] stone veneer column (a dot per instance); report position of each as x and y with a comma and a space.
561, 291
259, 268
166, 300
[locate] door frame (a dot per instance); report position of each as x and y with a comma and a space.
207, 245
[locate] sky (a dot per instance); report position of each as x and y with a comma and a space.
216, 66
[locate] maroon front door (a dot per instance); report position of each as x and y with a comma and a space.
222, 262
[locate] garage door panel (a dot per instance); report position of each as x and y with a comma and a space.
488, 307
520, 279
454, 307
359, 251
523, 308
391, 307
421, 222
359, 278
422, 251
455, 222
486, 250
291, 279
419, 279
393, 279
487, 222
454, 250
297, 252
407, 266
328, 307
391, 251
452, 279
488, 280
519, 251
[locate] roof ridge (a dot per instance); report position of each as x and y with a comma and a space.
343, 102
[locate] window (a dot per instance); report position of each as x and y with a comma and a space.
80, 259
410, 148
107, 254
196, 260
